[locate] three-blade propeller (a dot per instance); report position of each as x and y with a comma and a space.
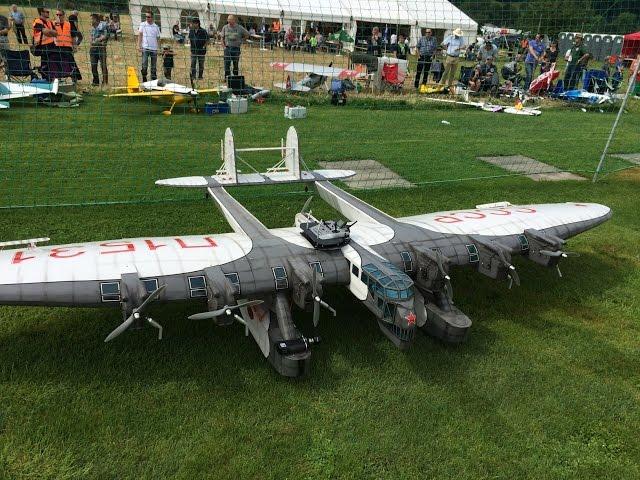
226, 310
135, 315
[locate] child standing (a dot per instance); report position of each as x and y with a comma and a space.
167, 61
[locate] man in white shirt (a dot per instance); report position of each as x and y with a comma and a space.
453, 44
148, 36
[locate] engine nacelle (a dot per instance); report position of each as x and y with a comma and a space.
494, 259
543, 242
220, 292
302, 282
432, 269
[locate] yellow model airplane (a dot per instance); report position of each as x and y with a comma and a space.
161, 91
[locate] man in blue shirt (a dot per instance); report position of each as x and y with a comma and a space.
426, 46
534, 56
454, 44
98, 50
17, 18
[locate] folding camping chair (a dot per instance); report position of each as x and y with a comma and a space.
18, 65
595, 81
465, 75
392, 76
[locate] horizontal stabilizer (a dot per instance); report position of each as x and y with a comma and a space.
245, 179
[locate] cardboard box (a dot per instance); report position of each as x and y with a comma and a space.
295, 112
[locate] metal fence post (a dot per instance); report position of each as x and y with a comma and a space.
632, 80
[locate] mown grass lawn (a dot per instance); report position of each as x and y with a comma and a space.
547, 385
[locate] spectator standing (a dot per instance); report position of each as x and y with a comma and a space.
374, 43
198, 39
18, 19
44, 34
550, 57
167, 61
401, 48
289, 39
98, 51
66, 46
426, 46
453, 44
148, 36
436, 68
232, 35
4, 38
577, 58
76, 34
535, 52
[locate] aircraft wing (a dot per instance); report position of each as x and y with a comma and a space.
209, 90
563, 220
11, 90
156, 93
27, 273
322, 70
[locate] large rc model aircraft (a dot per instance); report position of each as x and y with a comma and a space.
315, 75
164, 92
398, 267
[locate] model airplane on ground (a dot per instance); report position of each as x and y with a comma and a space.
517, 109
13, 90
168, 93
316, 75
399, 268
4, 105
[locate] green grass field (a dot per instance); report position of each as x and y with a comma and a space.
546, 387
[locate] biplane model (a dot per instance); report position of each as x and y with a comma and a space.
315, 75
400, 268
170, 94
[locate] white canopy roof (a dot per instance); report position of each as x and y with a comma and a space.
423, 13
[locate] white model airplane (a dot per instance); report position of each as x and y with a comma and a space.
399, 268
164, 92
316, 75
14, 90
4, 105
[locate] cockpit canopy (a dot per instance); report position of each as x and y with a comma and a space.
388, 281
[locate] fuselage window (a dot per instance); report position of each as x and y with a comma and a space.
317, 266
280, 275
197, 287
110, 291
150, 285
380, 303
473, 253
524, 243
355, 270
407, 262
235, 281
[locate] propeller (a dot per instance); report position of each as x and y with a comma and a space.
305, 208
558, 253
135, 315
226, 310
447, 279
317, 301
512, 275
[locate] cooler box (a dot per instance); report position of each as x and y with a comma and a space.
213, 108
238, 105
295, 112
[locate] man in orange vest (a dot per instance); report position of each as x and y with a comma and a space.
44, 34
66, 46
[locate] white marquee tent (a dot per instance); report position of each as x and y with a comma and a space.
415, 14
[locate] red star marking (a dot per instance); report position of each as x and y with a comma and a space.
411, 318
